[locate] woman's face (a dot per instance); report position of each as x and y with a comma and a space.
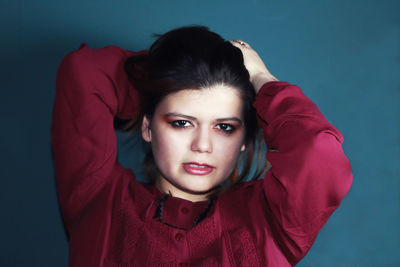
196, 137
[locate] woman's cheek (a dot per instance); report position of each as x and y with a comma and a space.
232, 142
170, 142
228, 149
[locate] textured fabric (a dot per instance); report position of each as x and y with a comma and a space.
110, 217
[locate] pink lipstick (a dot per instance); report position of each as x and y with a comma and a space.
196, 168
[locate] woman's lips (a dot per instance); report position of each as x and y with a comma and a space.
195, 168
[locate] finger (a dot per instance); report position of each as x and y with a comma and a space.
241, 43
236, 44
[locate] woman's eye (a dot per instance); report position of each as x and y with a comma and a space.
226, 127
180, 123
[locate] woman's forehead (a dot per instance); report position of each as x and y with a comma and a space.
216, 101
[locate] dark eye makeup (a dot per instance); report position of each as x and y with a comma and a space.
223, 127
227, 128
180, 123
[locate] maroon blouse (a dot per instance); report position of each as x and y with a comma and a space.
111, 218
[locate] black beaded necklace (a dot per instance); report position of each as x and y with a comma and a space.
159, 211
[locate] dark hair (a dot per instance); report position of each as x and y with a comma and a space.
195, 58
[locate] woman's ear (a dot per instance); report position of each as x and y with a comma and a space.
243, 148
146, 131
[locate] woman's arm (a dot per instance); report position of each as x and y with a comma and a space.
310, 173
92, 89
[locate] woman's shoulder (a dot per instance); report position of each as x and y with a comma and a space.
243, 191
243, 205
246, 185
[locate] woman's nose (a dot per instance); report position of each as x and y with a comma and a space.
202, 141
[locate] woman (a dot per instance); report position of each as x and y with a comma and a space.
197, 99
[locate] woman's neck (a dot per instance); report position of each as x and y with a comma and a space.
164, 186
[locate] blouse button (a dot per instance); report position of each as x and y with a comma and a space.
184, 210
178, 237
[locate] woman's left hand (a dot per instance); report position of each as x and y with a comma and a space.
259, 74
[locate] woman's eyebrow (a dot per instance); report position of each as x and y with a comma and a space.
195, 119
180, 115
230, 119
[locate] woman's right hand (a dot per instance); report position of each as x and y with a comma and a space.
259, 74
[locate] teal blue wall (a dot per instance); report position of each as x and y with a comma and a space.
344, 54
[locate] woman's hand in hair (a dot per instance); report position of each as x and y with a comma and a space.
259, 74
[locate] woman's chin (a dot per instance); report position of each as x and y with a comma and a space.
195, 193
196, 190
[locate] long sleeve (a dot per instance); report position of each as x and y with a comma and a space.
310, 173
92, 88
